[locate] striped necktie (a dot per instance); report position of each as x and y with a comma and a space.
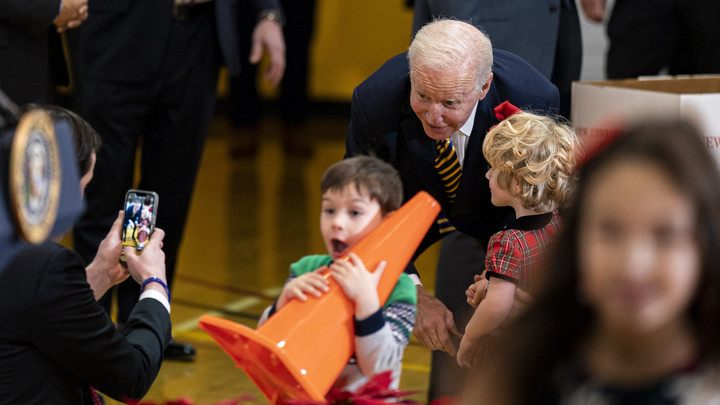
448, 167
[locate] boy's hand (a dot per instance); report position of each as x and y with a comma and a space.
309, 283
359, 284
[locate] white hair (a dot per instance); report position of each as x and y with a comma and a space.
447, 44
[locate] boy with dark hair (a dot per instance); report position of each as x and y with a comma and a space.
357, 194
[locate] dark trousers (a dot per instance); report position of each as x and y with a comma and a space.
568, 56
166, 118
294, 104
461, 257
682, 36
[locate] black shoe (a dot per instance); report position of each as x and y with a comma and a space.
178, 351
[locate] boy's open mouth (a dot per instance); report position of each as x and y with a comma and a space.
339, 246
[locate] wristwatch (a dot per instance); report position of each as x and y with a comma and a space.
272, 14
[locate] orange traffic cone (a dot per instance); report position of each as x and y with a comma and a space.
301, 349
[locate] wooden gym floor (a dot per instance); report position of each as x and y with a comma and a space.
250, 218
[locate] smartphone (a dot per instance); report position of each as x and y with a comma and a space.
139, 219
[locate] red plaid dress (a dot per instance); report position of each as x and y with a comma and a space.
516, 253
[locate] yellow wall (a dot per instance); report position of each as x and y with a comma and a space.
352, 39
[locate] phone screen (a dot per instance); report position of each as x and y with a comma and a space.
139, 220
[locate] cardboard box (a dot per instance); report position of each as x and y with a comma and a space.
597, 106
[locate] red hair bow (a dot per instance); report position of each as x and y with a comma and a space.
505, 109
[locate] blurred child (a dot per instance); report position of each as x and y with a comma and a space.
357, 194
531, 159
631, 309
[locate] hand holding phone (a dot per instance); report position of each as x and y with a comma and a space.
140, 210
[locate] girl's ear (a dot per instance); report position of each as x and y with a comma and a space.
515, 188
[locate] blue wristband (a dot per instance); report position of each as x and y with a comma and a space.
157, 280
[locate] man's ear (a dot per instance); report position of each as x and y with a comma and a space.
485, 87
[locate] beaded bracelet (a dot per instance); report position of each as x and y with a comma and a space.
157, 280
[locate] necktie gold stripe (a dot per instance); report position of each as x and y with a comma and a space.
444, 226
448, 167
449, 162
446, 230
455, 174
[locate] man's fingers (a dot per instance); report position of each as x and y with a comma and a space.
445, 343
256, 52
425, 330
450, 323
130, 254
157, 237
116, 226
275, 71
435, 336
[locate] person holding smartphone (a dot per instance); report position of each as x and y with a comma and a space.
58, 341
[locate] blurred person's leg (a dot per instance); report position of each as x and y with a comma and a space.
169, 115
294, 100
119, 120
175, 134
300, 21
244, 104
568, 55
698, 47
642, 38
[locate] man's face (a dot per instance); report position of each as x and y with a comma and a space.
444, 100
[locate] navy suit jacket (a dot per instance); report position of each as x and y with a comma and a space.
56, 339
124, 40
383, 124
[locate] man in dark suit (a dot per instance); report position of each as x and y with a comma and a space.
31, 55
445, 87
56, 341
148, 73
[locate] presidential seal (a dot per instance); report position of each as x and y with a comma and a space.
34, 176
